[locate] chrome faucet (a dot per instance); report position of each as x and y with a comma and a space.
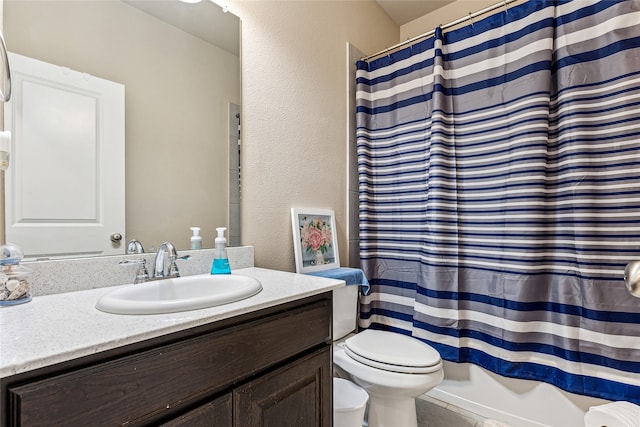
134, 247
164, 265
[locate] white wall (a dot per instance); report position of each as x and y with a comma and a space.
294, 130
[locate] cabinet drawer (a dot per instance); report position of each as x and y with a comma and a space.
218, 413
152, 384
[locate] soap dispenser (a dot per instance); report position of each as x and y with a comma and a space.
220, 259
196, 239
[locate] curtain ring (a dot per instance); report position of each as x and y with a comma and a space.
506, 7
471, 19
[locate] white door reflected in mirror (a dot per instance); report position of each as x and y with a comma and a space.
67, 158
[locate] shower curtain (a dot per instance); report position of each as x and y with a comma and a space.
499, 171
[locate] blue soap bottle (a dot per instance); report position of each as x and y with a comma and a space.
220, 259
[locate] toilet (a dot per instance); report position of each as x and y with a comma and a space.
392, 368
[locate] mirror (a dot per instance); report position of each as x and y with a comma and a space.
179, 64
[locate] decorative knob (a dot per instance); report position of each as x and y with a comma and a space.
632, 278
116, 237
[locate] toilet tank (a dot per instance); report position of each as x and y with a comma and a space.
345, 310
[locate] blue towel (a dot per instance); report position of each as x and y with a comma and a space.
352, 276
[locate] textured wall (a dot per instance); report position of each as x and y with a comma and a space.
294, 130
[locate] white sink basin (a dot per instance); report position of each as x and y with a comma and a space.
179, 294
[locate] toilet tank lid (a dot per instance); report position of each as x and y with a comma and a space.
393, 349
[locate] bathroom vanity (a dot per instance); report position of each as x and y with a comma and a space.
264, 361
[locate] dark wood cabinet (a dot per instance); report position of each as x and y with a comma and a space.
218, 413
271, 368
289, 397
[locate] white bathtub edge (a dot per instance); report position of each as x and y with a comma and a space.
483, 410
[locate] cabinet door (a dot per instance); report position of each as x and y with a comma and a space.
217, 413
297, 395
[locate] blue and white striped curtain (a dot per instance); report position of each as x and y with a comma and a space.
499, 171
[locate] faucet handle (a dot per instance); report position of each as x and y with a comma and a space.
142, 275
173, 268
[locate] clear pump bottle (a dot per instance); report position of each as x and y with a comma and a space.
220, 260
196, 239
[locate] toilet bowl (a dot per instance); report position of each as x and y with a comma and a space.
393, 369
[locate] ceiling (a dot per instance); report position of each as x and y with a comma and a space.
403, 11
204, 20
180, 15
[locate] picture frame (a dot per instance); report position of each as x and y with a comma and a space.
315, 243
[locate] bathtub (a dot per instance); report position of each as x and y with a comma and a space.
519, 403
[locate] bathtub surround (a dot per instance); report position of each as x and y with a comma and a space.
499, 190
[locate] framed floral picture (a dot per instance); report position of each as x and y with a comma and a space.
314, 239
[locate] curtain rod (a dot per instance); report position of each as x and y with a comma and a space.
504, 4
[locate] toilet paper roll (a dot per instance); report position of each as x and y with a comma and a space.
614, 414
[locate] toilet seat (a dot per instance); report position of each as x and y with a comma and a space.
393, 352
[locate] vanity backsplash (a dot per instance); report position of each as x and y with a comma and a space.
77, 274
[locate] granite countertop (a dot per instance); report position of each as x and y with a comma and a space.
56, 328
